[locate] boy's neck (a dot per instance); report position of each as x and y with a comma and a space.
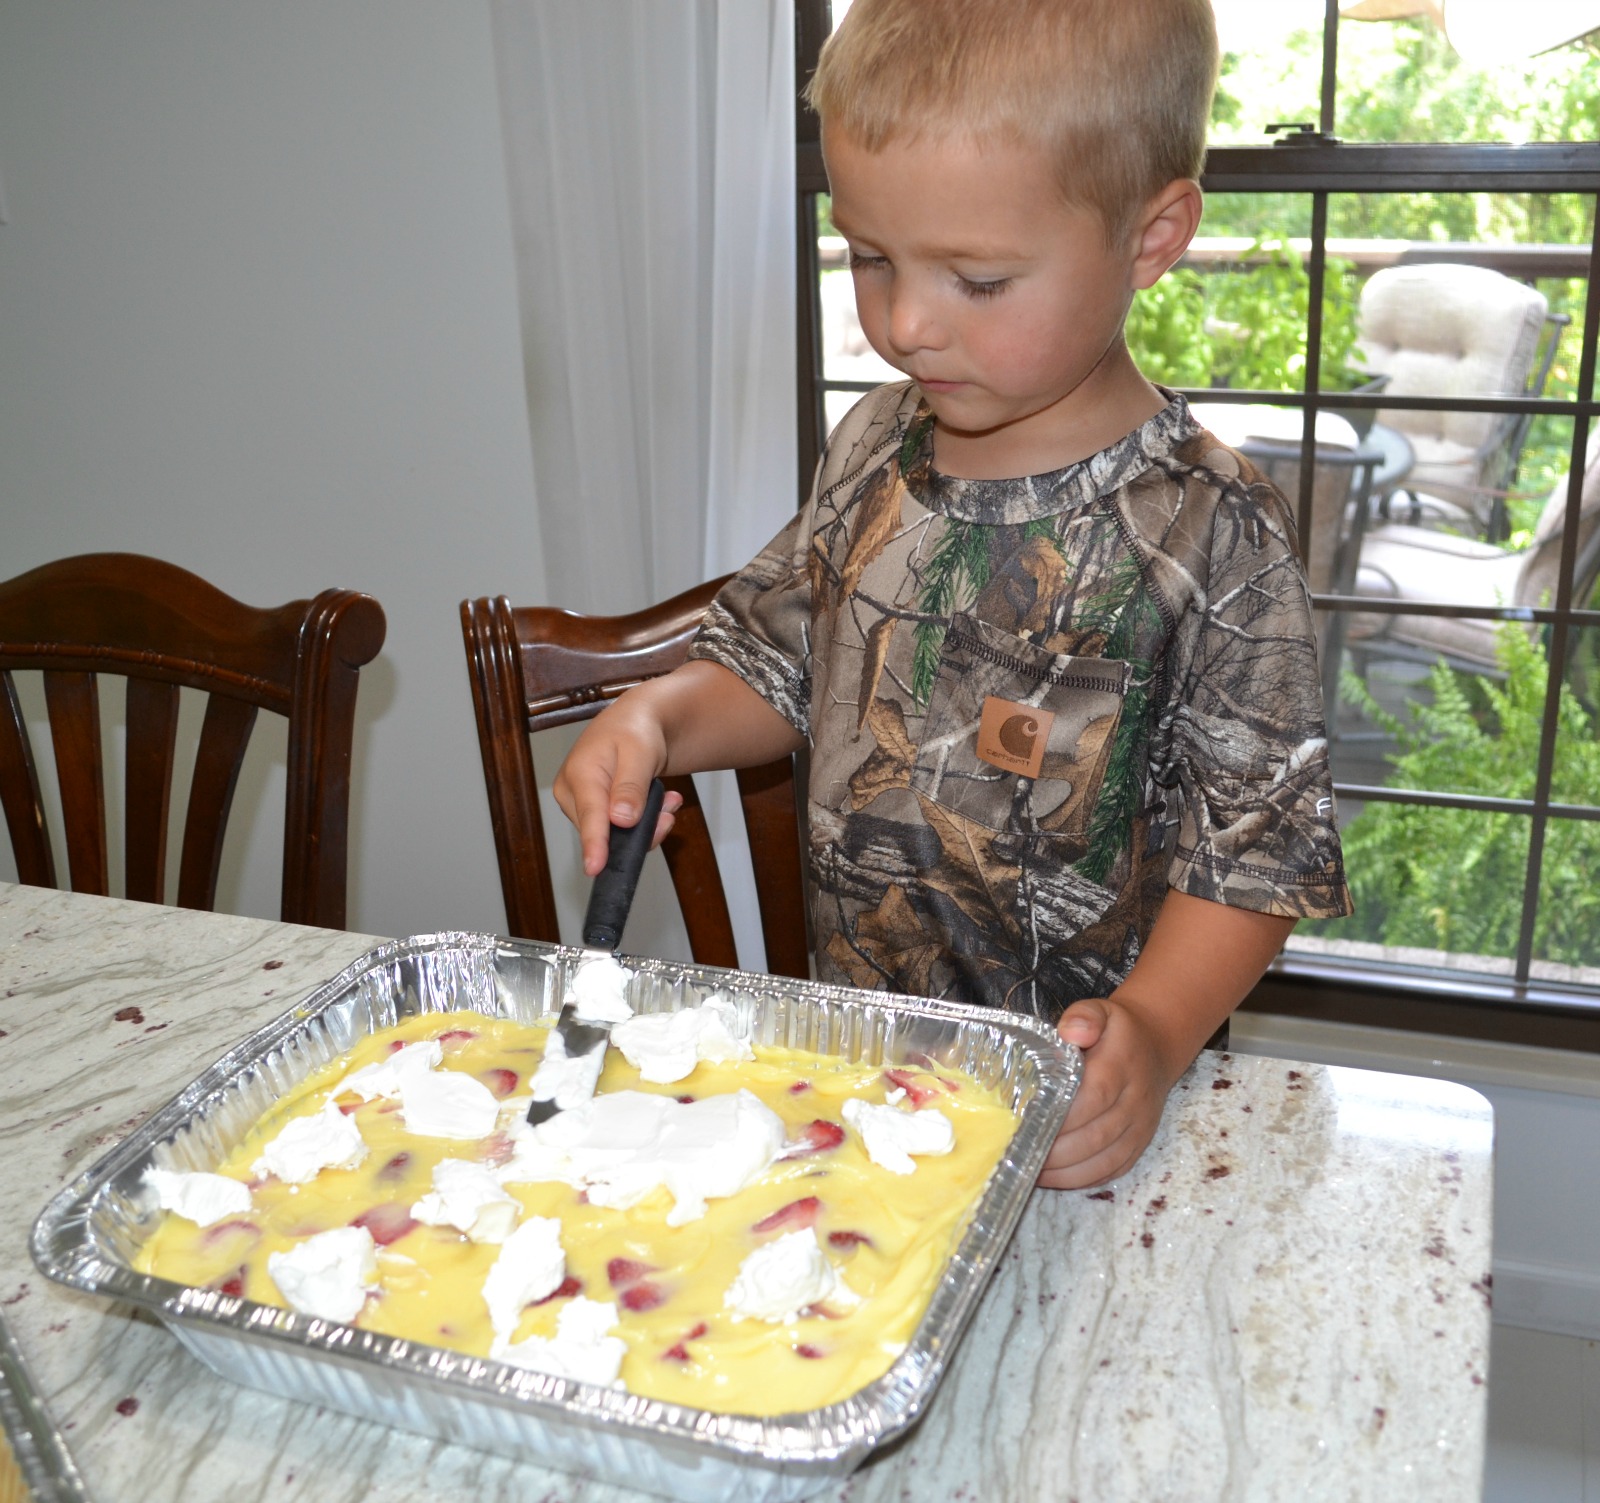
1112, 401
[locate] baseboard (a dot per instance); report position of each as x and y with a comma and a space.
1540, 1297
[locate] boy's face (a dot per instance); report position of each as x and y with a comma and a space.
999, 299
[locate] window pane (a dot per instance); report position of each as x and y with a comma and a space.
1234, 311
1271, 67
1419, 710
846, 355
1403, 80
1437, 888
1566, 938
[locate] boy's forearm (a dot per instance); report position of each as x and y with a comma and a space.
1199, 962
711, 718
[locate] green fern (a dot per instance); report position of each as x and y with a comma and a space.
1453, 879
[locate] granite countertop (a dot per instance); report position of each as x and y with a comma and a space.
1287, 1298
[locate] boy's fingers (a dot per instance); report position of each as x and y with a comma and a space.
1083, 1023
669, 812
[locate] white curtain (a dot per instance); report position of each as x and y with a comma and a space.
650, 153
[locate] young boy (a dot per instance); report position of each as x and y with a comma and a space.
1047, 640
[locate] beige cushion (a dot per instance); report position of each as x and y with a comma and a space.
1449, 331
1416, 564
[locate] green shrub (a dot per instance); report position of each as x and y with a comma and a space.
1453, 879
1245, 327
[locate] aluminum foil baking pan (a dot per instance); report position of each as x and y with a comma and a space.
89, 1233
35, 1466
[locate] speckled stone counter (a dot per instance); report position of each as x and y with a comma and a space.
1286, 1300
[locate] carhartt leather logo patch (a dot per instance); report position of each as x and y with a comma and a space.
1012, 737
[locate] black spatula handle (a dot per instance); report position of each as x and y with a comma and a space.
612, 895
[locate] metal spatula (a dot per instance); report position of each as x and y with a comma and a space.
609, 902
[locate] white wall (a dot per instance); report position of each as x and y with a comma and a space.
258, 316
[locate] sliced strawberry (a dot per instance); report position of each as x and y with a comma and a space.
350, 1107
235, 1226
795, 1216
678, 1353
803, 1350
625, 1271
566, 1289
456, 1035
684, 1100
396, 1167
396, 1045
496, 1149
701, 1328
642, 1296
815, 1137
920, 1088
502, 1082
233, 1285
800, 1087
846, 1241
387, 1223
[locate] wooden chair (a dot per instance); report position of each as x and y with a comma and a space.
535, 667
162, 628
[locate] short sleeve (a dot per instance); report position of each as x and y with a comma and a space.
759, 625
1249, 749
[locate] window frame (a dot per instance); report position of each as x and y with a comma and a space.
1312, 161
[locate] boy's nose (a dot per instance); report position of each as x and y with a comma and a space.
912, 326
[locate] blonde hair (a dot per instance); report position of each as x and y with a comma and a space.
1118, 91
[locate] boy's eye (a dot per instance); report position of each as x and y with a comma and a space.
862, 262
974, 289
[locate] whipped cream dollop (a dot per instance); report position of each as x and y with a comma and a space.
388, 1077
598, 990
328, 1275
204, 1199
564, 1079
308, 1145
531, 1265
777, 1281
467, 1196
892, 1135
582, 1347
448, 1104
666, 1046
620, 1147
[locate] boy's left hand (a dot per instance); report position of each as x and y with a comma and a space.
1120, 1097
1198, 963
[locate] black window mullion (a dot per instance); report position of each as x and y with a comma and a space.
1560, 628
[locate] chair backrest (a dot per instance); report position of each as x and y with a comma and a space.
162, 629
535, 667
1448, 330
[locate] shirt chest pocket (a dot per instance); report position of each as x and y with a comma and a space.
1017, 738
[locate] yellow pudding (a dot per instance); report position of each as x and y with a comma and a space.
884, 1236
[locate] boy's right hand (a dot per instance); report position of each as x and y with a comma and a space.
695, 718
605, 777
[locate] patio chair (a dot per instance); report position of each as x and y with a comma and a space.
1449, 330
1421, 565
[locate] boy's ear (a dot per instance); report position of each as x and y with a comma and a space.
1165, 228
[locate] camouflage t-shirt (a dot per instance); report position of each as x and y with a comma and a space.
1033, 705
